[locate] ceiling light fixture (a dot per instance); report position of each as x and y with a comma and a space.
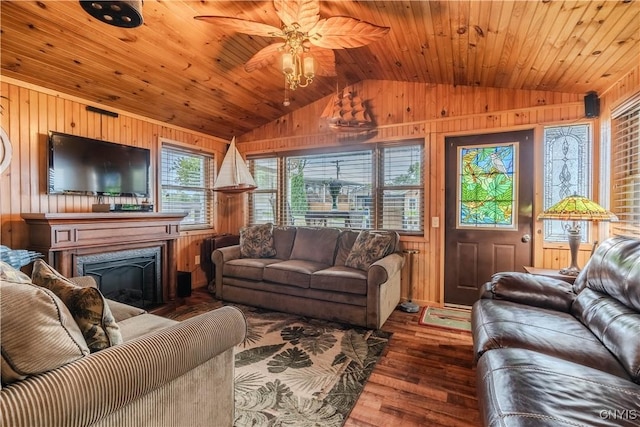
296, 61
124, 13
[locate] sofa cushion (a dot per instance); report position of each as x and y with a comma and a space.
518, 387
345, 242
292, 272
368, 248
257, 241
283, 238
247, 268
121, 311
38, 331
614, 269
315, 244
340, 279
145, 324
505, 324
87, 305
613, 323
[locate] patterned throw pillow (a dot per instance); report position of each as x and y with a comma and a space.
38, 332
368, 248
257, 241
87, 305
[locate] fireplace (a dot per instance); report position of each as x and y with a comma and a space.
141, 246
133, 277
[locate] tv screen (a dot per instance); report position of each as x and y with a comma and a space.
80, 165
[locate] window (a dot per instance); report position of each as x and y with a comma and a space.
567, 171
186, 183
402, 188
264, 198
377, 188
625, 169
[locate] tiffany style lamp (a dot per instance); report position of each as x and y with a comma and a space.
576, 208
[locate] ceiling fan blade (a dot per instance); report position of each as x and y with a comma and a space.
263, 57
305, 13
325, 60
242, 25
343, 32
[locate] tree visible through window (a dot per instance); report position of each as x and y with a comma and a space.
186, 186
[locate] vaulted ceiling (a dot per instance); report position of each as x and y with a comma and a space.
190, 73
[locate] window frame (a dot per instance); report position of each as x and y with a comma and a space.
206, 190
376, 180
625, 166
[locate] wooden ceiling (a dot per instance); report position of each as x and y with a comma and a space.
189, 73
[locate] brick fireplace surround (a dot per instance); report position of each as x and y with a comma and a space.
66, 239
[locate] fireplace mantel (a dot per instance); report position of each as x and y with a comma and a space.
61, 237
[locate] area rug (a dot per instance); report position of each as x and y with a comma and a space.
297, 371
449, 318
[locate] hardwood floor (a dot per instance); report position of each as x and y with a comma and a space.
425, 377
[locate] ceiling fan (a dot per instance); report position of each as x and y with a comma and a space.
304, 33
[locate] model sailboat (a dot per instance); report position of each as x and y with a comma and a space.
234, 175
347, 114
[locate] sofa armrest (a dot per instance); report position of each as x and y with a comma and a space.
380, 271
226, 254
530, 289
87, 390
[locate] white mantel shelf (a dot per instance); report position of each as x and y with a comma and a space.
64, 236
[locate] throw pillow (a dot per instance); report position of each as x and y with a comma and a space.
368, 248
87, 305
11, 274
257, 241
38, 331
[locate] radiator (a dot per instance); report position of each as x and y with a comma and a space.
209, 245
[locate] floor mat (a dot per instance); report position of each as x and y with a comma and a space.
451, 318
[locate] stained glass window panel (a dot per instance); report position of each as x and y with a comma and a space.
486, 186
567, 171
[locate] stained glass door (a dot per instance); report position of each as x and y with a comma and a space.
489, 205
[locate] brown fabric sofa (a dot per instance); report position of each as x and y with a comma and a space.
554, 354
165, 373
308, 276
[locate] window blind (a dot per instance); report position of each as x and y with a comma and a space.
186, 182
625, 170
380, 187
402, 189
263, 201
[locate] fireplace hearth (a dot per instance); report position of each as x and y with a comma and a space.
133, 277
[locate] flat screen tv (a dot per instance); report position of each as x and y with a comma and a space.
92, 167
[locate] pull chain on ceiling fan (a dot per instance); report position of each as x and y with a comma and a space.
306, 50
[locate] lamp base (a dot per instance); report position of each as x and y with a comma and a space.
570, 271
410, 307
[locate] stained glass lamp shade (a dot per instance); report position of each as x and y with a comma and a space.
576, 208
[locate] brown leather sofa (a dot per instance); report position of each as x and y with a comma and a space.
554, 354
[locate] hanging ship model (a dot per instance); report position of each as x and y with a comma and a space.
347, 113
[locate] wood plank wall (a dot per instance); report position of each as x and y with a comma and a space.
402, 111
29, 112
408, 111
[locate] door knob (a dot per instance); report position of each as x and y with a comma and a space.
526, 238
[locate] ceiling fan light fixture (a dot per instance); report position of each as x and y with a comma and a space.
297, 66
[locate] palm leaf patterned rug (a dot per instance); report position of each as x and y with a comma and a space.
296, 371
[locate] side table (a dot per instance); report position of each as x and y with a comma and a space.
549, 272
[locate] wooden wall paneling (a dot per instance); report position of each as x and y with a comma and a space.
29, 113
